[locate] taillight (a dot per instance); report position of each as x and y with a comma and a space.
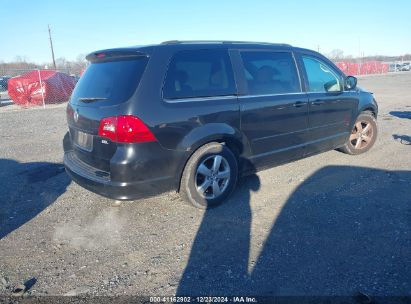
125, 129
108, 127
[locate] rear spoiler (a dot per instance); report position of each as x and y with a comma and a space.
114, 55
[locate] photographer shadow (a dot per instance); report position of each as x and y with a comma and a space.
219, 256
344, 230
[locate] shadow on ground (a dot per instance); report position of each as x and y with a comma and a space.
26, 189
343, 231
403, 139
401, 114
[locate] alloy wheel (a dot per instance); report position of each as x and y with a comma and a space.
361, 135
212, 176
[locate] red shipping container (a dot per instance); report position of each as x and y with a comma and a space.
25, 90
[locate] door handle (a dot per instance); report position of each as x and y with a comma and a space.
317, 102
298, 104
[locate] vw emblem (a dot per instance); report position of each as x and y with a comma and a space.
75, 115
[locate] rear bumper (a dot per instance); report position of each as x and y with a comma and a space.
99, 181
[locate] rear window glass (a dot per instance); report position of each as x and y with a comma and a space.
199, 73
113, 81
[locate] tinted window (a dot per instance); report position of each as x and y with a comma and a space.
200, 73
270, 73
115, 81
321, 77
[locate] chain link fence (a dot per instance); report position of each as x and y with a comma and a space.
369, 67
363, 68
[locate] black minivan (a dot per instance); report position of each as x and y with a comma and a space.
193, 116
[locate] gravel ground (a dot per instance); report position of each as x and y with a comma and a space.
331, 224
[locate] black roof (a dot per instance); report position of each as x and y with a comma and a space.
196, 44
218, 44
170, 42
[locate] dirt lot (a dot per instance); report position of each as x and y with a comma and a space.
331, 224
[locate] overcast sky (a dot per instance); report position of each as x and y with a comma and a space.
78, 27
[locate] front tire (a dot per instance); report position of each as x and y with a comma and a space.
209, 176
363, 135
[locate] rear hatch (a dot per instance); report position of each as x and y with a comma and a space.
104, 90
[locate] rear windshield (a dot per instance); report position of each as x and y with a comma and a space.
109, 83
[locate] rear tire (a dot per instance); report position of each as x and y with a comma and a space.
363, 135
210, 176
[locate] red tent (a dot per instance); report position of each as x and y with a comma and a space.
26, 90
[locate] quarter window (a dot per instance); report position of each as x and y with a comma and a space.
321, 77
270, 72
199, 73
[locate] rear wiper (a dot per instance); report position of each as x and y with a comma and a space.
91, 99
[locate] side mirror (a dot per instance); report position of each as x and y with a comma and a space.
350, 82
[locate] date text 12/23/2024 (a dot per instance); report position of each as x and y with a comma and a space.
208, 299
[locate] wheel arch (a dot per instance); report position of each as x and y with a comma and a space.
368, 108
234, 143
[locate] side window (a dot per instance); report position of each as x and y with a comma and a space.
270, 72
321, 77
199, 73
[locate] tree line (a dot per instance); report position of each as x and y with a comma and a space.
338, 55
20, 65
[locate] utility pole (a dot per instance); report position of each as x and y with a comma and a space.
51, 46
359, 47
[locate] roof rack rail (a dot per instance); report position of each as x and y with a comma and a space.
220, 41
